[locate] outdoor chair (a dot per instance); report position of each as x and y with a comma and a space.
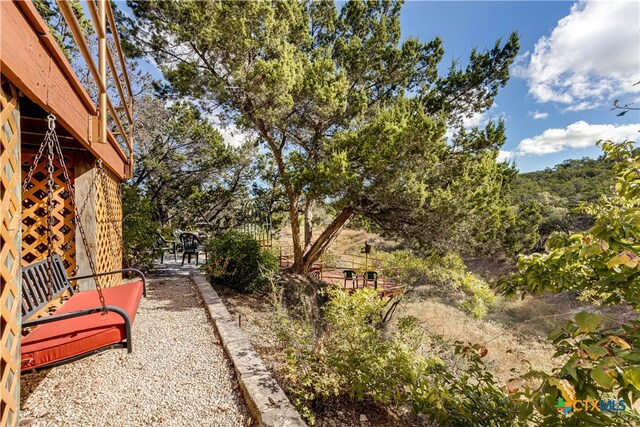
370, 276
176, 234
191, 245
80, 327
162, 245
352, 276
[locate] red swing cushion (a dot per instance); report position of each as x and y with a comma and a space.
56, 341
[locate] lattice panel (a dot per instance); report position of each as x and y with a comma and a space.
10, 289
109, 228
34, 213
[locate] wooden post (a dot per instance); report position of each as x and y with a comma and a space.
131, 125
85, 174
10, 254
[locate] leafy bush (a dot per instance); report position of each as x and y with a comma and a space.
447, 275
599, 365
603, 262
236, 261
355, 356
138, 227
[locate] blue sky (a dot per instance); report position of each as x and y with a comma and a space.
575, 58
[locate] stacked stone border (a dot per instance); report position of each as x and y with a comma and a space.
266, 400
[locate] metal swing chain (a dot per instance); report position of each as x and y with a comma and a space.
50, 203
79, 225
34, 165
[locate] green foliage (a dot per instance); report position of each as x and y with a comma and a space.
559, 191
191, 176
574, 180
352, 114
598, 365
138, 227
509, 229
446, 275
355, 356
236, 261
603, 259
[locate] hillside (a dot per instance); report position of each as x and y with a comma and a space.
559, 191
572, 181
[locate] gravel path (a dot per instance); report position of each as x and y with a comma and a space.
177, 375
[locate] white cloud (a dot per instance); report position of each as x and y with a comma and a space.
476, 120
577, 135
232, 136
590, 57
505, 155
581, 106
537, 115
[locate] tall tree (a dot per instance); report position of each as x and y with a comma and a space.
185, 168
352, 116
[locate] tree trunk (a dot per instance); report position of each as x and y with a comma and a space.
327, 237
295, 234
308, 225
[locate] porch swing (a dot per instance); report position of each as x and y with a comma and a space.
89, 321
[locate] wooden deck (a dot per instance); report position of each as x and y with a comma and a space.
387, 286
32, 60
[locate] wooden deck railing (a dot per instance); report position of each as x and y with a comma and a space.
92, 99
331, 271
101, 14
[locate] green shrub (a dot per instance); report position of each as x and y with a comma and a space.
138, 228
236, 261
355, 356
446, 275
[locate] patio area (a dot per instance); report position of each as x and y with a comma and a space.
178, 373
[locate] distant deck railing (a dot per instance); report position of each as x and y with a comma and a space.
330, 269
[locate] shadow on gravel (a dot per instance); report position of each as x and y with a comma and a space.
174, 293
30, 382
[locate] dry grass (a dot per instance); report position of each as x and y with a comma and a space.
510, 351
514, 331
